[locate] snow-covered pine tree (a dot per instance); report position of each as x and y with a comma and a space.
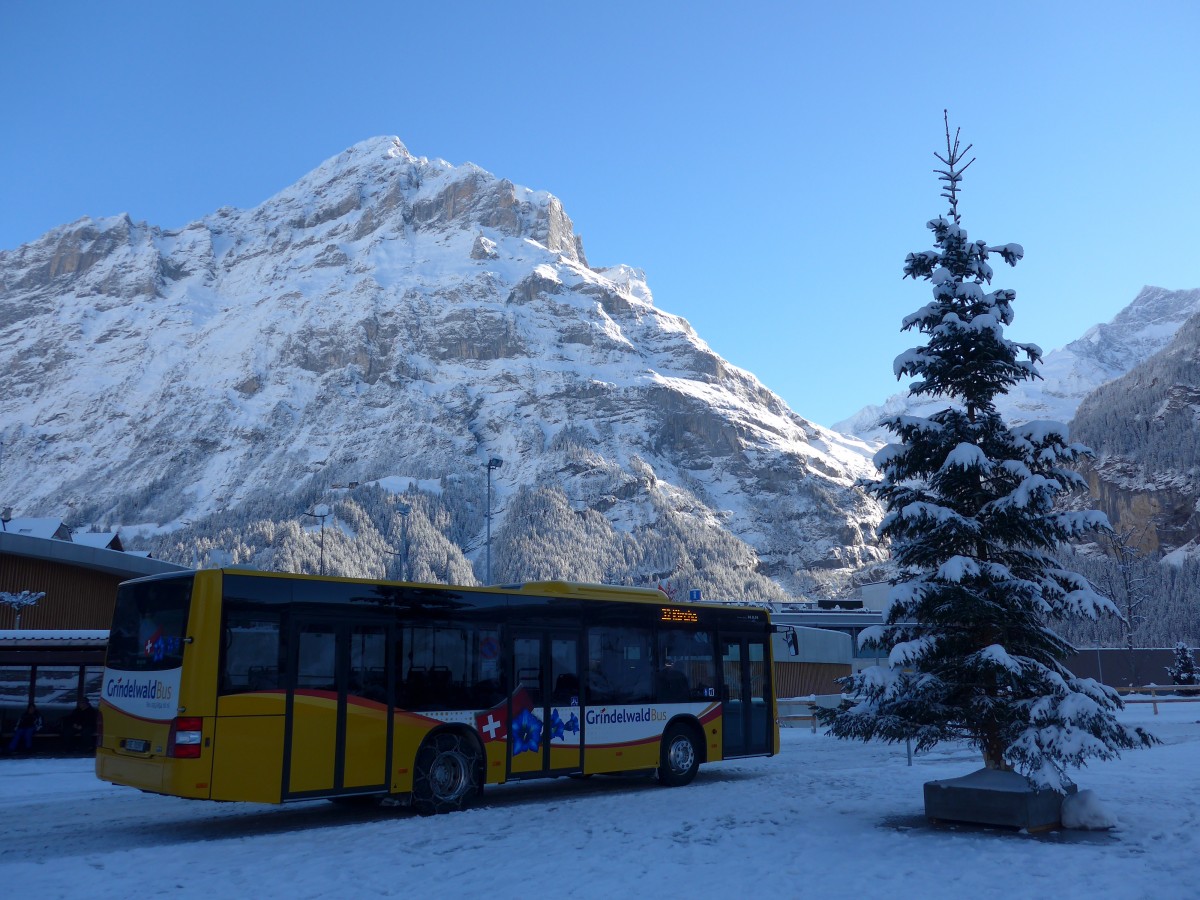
971, 516
1183, 669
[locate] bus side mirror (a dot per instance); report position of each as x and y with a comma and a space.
789, 637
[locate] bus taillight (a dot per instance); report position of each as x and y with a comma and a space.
185, 738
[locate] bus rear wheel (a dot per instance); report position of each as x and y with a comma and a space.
446, 776
679, 758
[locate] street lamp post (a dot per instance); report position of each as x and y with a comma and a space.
320, 511
493, 463
403, 509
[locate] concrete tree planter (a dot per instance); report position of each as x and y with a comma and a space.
991, 797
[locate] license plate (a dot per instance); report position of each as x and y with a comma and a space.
137, 746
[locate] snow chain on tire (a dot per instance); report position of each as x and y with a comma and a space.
446, 776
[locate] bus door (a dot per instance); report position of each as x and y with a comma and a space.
746, 708
339, 722
544, 711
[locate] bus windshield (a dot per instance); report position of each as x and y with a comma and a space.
149, 625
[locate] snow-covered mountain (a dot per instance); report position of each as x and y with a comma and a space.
390, 316
1069, 374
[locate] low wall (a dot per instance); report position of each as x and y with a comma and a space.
803, 679
1118, 667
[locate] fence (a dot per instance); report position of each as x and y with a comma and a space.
1120, 667
1155, 689
796, 711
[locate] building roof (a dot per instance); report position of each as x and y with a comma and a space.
106, 540
111, 562
829, 618
36, 637
40, 647
38, 528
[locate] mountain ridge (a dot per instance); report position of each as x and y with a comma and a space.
389, 315
1104, 352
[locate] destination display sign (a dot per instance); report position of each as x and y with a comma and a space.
678, 614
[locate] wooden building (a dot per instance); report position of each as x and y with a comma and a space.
56, 655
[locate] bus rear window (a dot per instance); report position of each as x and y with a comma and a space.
149, 625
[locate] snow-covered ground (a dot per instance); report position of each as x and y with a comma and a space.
823, 819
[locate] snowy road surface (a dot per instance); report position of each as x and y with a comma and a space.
824, 819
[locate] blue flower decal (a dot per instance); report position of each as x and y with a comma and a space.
159, 645
558, 727
526, 733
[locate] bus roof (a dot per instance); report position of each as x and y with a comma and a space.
574, 589
584, 589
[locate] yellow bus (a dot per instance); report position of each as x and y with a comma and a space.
256, 686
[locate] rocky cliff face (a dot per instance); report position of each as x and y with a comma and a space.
1129, 389
1145, 430
393, 316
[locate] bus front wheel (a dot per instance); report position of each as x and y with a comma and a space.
679, 757
446, 775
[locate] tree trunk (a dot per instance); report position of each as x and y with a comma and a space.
993, 753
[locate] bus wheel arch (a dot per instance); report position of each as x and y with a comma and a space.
448, 771
682, 751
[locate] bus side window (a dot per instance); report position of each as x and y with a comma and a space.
566, 688
671, 686
412, 673
449, 667
619, 665
368, 662
251, 652
485, 677
316, 668
687, 668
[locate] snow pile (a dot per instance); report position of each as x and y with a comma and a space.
1084, 811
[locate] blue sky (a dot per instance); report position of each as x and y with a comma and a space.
768, 165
